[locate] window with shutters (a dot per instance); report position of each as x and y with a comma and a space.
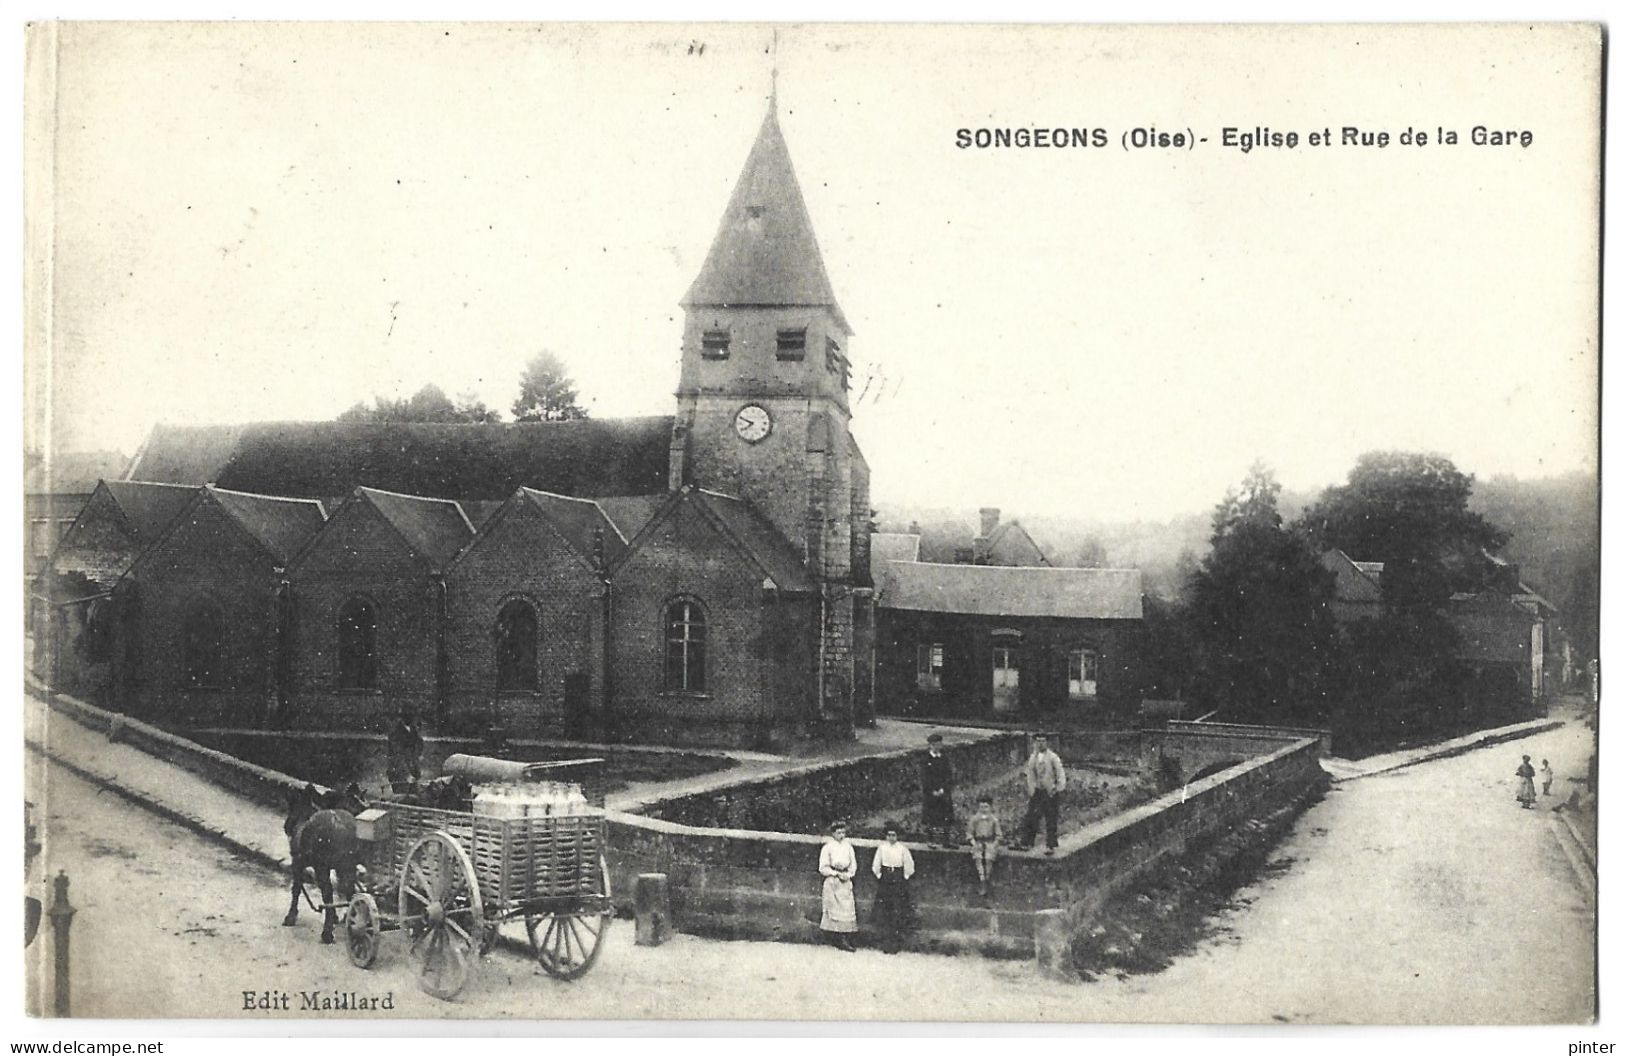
793, 344
714, 344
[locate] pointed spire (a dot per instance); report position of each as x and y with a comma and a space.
773, 94
765, 252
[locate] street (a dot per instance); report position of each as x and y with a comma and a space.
1424, 895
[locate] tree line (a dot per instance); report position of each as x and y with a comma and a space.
546, 394
1253, 636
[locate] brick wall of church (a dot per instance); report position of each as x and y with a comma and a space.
523, 557
758, 667
358, 555
206, 556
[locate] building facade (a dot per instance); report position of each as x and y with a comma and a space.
699, 578
1009, 644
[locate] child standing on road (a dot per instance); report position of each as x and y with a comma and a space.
985, 835
1546, 777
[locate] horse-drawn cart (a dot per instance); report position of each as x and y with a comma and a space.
449, 879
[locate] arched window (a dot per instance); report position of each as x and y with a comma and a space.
358, 645
203, 644
685, 645
516, 646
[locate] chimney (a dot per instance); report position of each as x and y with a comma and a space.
990, 521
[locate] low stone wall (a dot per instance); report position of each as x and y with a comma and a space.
1198, 747
1081, 747
753, 884
808, 798
255, 783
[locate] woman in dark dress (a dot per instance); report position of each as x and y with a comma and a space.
894, 909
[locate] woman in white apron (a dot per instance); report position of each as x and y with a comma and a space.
838, 864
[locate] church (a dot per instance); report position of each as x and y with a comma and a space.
698, 578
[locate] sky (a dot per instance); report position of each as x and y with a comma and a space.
239, 222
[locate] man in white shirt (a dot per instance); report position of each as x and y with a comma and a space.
1046, 780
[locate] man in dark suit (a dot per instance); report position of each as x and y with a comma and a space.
937, 788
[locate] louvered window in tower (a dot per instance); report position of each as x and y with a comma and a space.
793, 344
714, 344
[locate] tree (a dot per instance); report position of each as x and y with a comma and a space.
546, 392
1260, 614
472, 409
428, 404
1399, 673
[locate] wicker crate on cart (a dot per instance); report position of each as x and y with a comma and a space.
459, 875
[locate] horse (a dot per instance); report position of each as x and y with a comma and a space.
322, 839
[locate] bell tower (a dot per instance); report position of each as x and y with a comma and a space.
762, 408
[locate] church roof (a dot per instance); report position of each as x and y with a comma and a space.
765, 252
631, 512
149, 507
280, 525
742, 525
1004, 590
609, 456
435, 529
578, 520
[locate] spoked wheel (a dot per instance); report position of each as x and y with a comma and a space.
361, 930
567, 944
442, 914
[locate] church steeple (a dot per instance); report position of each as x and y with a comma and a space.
765, 253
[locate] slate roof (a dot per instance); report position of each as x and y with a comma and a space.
1356, 582
590, 457
280, 525
1003, 590
761, 540
1002, 532
1371, 568
146, 508
149, 507
765, 252
741, 524
435, 529
631, 512
893, 546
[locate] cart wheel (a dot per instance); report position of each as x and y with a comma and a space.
361, 930
442, 914
567, 944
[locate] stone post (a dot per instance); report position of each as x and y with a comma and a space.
652, 903
1052, 944
61, 915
